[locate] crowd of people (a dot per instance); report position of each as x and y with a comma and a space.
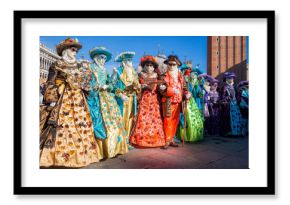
87, 115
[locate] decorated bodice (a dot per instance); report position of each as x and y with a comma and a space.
127, 76
72, 74
214, 96
195, 89
99, 75
125, 82
150, 81
229, 93
175, 84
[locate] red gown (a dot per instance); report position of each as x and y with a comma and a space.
148, 131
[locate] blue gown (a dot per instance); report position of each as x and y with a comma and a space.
106, 115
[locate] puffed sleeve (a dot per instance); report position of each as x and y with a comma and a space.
51, 92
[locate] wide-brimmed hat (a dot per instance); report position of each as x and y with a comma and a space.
148, 59
127, 55
67, 43
173, 58
214, 80
206, 77
229, 75
243, 83
100, 50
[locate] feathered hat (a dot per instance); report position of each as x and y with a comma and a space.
148, 59
101, 50
229, 75
206, 77
67, 43
125, 55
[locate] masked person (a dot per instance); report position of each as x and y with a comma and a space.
230, 114
173, 92
107, 118
213, 127
194, 119
195, 87
148, 131
126, 88
206, 79
67, 138
243, 102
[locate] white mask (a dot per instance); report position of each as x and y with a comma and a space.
69, 55
127, 63
100, 60
149, 69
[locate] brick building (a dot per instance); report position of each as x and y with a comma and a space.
227, 53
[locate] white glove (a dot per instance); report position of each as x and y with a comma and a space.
124, 98
162, 87
115, 70
188, 95
176, 91
52, 104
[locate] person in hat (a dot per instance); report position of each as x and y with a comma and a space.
126, 88
206, 89
173, 92
243, 102
230, 112
213, 127
195, 87
67, 139
148, 130
194, 119
107, 118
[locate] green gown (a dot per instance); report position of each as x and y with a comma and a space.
194, 123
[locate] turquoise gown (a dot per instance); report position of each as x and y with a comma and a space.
106, 116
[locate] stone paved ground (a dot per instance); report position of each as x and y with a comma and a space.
211, 153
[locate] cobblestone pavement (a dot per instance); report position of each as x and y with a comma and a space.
211, 153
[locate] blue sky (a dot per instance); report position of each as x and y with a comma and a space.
192, 48
189, 47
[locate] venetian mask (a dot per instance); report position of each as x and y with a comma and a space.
127, 63
100, 59
72, 52
206, 85
172, 65
230, 81
69, 54
149, 68
214, 87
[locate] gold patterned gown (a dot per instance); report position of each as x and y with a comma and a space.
110, 117
67, 138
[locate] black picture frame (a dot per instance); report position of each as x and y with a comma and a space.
268, 190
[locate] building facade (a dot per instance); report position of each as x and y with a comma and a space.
47, 57
227, 53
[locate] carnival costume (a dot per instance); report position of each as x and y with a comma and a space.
67, 138
148, 130
126, 88
230, 115
194, 119
173, 91
107, 119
